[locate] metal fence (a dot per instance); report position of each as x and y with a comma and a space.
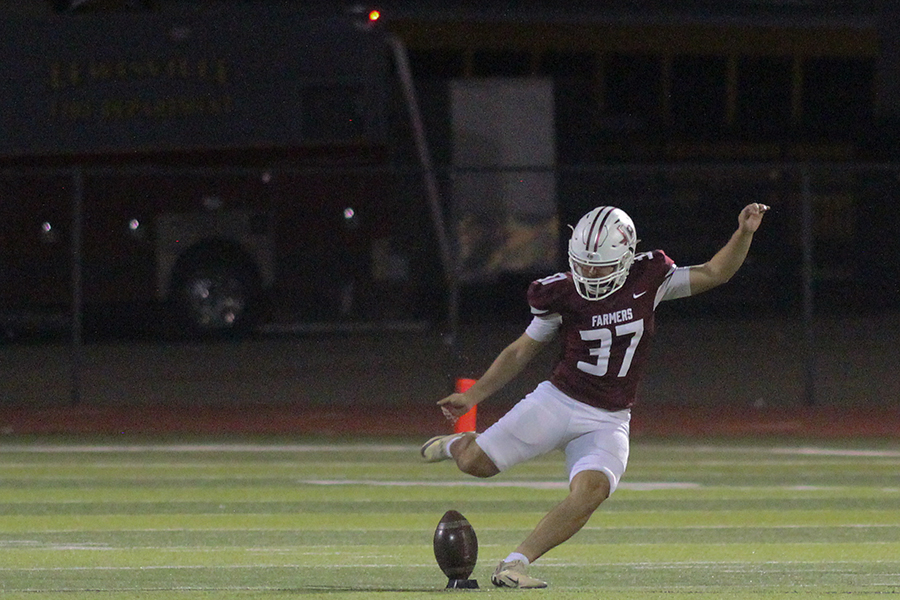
827, 248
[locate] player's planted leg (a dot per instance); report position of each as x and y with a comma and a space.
512, 574
586, 492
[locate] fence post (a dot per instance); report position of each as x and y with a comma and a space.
432, 189
77, 298
809, 347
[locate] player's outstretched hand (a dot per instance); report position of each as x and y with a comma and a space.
751, 217
454, 406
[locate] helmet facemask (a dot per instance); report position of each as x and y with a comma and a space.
605, 237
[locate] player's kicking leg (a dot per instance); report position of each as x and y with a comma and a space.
435, 449
463, 449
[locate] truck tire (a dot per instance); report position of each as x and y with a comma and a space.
215, 298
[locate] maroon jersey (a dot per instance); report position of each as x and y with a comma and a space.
606, 342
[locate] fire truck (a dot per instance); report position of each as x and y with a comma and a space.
226, 163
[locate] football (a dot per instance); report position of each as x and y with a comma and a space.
456, 549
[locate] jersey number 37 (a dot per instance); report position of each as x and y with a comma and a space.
602, 352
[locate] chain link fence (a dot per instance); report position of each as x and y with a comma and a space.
353, 251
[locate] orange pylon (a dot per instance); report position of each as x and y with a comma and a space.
467, 421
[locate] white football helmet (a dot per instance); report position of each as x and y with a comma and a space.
605, 237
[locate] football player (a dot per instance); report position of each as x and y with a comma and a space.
603, 308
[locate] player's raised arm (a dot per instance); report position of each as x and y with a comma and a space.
726, 262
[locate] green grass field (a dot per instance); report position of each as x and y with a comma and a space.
273, 519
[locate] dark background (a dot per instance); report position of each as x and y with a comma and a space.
728, 128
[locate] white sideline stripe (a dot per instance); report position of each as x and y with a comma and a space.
542, 485
104, 449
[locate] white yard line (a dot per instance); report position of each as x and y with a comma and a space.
543, 485
545, 564
799, 451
